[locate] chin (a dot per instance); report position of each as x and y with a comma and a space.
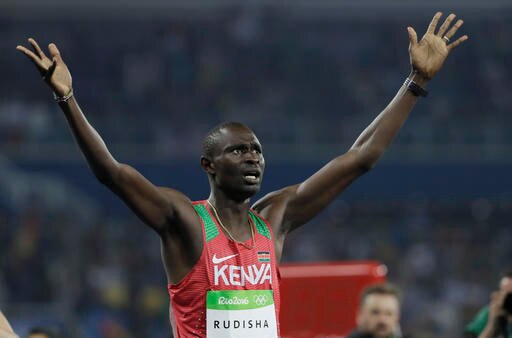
241, 191
383, 334
252, 189
247, 191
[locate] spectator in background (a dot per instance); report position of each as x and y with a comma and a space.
495, 319
379, 313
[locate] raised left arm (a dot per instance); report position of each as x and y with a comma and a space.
295, 205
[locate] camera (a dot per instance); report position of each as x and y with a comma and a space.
507, 303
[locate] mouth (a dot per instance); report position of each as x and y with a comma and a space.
252, 176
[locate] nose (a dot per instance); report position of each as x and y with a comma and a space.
252, 157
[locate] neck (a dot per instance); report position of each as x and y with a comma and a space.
234, 215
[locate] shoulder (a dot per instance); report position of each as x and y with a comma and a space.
179, 201
477, 325
183, 211
273, 206
278, 198
173, 193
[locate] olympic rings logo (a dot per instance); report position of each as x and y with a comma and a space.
260, 299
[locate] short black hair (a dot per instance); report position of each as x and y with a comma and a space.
210, 140
41, 330
381, 289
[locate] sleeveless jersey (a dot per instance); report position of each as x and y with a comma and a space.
225, 265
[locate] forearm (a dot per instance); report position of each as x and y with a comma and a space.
311, 196
375, 139
488, 332
90, 142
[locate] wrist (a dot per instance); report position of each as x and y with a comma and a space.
65, 97
415, 85
418, 78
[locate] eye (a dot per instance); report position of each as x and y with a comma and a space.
237, 151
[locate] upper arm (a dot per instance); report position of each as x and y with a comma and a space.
158, 207
297, 204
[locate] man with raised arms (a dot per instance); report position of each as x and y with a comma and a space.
220, 255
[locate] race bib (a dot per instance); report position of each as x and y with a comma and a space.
241, 313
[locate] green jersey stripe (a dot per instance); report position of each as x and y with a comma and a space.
209, 224
261, 227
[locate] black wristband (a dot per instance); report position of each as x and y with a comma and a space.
415, 88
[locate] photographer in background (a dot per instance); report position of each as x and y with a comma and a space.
495, 320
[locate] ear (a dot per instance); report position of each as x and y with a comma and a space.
207, 165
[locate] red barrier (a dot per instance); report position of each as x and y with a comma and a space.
321, 299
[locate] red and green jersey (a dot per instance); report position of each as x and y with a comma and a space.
232, 291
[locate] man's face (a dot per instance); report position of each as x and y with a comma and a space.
238, 162
379, 315
506, 284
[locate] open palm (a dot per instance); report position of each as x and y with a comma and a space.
428, 55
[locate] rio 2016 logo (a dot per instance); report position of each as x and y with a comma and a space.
233, 301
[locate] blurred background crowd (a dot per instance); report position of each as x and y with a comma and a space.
308, 79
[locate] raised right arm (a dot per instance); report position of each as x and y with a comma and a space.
157, 207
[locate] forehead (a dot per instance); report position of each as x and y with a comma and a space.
235, 135
380, 301
505, 282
